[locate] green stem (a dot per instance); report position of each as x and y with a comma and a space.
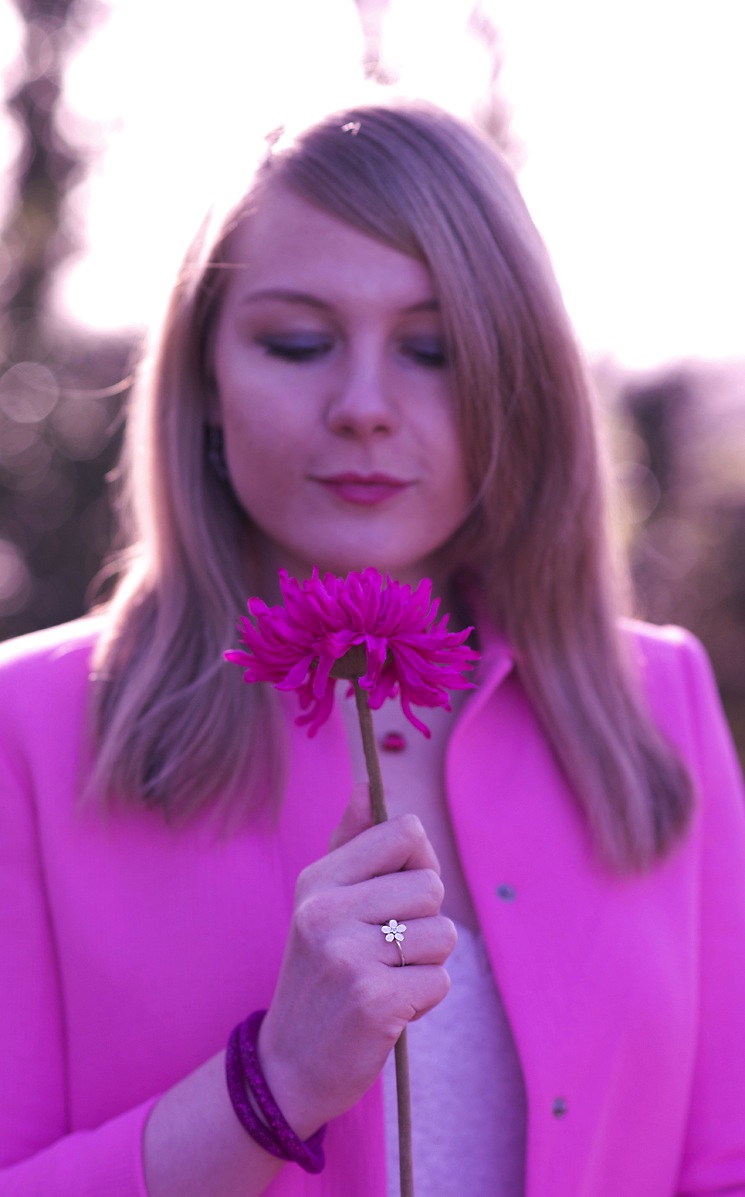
403, 1088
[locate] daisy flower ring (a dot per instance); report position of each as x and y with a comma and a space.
394, 933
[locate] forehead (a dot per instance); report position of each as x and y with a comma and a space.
288, 242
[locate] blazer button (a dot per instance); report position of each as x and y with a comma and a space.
506, 893
559, 1107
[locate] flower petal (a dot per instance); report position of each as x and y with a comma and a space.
408, 650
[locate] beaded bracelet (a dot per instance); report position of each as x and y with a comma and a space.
275, 1135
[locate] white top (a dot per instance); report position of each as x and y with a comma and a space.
467, 1092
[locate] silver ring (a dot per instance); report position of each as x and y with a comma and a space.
394, 933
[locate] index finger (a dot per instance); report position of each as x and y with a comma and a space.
400, 843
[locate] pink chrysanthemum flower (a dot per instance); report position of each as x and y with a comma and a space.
409, 652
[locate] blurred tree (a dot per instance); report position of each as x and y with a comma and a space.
682, 468
490, 110
34, 237
56, 422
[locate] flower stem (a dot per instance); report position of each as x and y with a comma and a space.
375, 777
401, 1055
403, 1099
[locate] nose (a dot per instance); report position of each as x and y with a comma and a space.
361, 402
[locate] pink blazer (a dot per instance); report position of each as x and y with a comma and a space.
129, 950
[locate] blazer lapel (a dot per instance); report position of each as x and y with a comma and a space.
574, 948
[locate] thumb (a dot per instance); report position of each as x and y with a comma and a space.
357, 817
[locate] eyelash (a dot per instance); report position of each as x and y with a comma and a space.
295, 351
431, 359
299, 352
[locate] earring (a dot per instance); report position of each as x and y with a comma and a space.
215, 446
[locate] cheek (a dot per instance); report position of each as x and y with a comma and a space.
266, 449
452, 466
254, 455
256, 421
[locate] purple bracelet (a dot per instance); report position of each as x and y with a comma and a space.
276, 1136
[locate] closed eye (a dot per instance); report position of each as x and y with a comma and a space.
297, 349
429, 352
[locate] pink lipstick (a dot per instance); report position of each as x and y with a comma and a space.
363, 489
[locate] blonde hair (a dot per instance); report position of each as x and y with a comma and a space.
169, 718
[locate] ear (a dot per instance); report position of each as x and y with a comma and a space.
212, 405
215, 447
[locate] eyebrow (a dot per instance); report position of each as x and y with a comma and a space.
313, 301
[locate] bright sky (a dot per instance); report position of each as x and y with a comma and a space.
630, 116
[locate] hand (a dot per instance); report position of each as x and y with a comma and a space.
342, 997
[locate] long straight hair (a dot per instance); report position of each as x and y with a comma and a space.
173, 728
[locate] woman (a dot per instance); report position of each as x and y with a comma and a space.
366, 363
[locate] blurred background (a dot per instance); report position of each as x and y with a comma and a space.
119, 119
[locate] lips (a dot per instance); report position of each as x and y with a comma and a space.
364, 489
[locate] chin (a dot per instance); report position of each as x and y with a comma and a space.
347, 558
408, 572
